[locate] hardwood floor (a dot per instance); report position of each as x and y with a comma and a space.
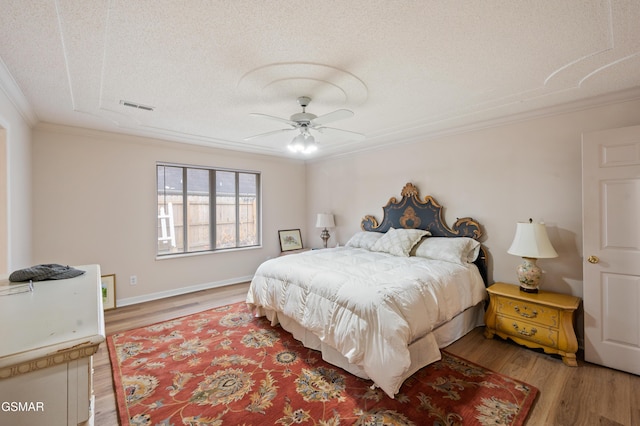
142, 314
586, 395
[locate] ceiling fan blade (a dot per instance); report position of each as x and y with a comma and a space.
340, 133
336, 115
271, 117
264, 135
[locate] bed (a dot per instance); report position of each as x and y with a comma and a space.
382, 306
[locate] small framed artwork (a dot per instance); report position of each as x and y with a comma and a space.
108, 286
290, 239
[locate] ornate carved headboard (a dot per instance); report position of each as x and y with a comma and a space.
412, 213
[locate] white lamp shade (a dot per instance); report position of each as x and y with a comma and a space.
531, 240
325, 220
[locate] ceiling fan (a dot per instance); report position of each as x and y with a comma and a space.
305, 122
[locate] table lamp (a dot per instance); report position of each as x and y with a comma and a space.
325, 220
531, 242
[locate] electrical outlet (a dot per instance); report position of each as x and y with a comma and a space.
133, 280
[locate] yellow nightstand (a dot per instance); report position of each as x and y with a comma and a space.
536, 320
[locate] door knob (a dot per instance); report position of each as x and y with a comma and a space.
593, 259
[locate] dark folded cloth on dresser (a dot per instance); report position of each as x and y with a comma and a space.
51, 271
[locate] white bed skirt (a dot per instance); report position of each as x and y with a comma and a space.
423, 351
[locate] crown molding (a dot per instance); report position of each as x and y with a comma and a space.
384, 142
10, 87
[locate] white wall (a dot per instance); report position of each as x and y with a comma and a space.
498, 176
4, 203
94, 196
17, 248
95, 202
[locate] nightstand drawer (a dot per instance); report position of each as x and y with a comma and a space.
537, 333
526, 310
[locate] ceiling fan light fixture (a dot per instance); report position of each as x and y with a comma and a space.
303, 143
297, 144
310, 145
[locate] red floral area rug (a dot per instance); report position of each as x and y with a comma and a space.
225, 367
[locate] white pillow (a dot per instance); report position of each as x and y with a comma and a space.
460, 250
364, 239
399, 242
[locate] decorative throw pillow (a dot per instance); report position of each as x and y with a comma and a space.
459, 250
399, 242
364, 239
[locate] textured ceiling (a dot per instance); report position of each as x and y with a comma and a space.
409, 70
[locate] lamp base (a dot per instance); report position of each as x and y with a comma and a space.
325, 236
529, 275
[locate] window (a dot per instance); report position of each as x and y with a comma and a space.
202, 209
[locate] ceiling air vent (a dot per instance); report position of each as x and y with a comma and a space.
135, 105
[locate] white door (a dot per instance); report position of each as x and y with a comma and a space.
611, 247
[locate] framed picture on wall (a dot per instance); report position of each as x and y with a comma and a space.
290, 239
108, 285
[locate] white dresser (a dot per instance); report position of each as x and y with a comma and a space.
47, 339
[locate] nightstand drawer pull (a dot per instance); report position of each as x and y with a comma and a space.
524, 332
533, 313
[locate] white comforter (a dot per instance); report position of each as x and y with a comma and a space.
369, 306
